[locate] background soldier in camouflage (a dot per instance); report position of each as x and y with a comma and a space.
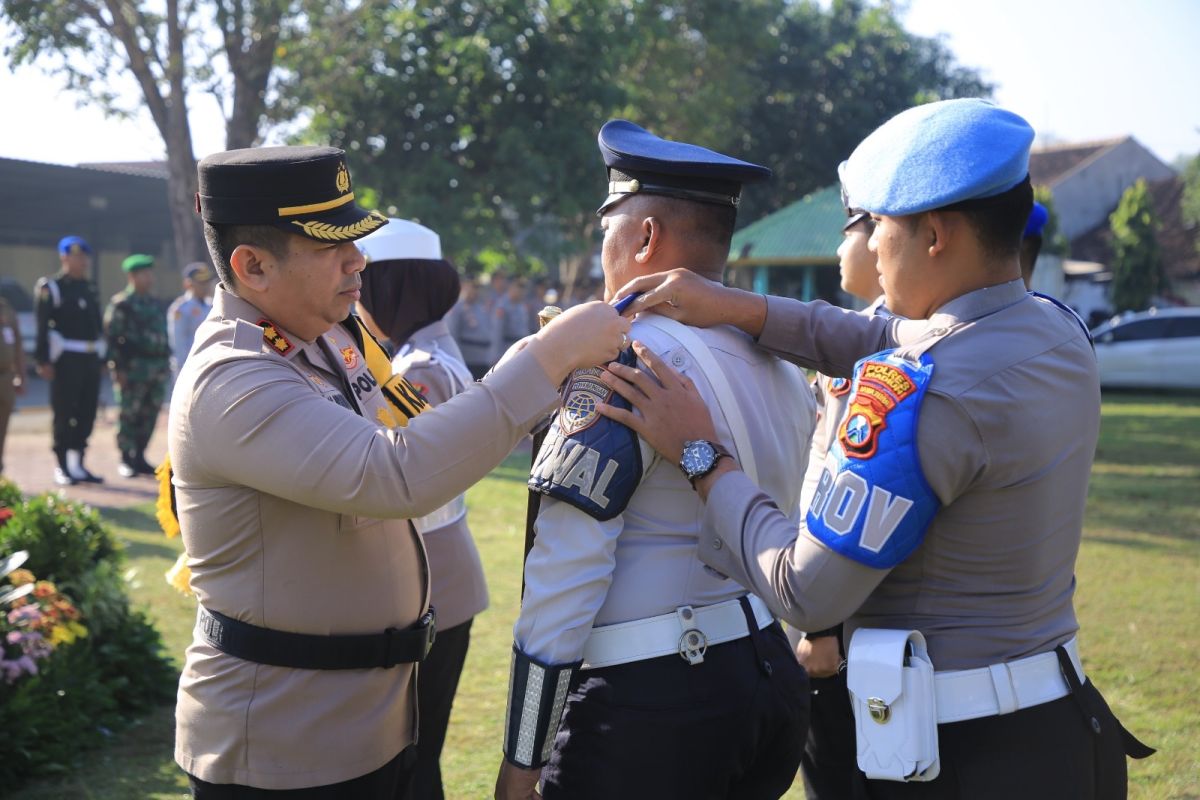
139, 357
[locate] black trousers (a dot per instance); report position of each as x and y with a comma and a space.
437, 681
830, 759
74, 393
730, 727
1047, 752
392, 781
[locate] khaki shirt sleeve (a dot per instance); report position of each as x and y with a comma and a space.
819, 336
805, 583
258, 424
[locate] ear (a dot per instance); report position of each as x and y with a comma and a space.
652, 241
939, 228
249, 267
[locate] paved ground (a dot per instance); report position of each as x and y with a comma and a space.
29, 462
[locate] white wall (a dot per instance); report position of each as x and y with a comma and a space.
1085, 198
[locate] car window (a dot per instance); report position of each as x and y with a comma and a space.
1184, 327
1138, 331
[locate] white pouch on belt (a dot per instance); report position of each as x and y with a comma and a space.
890, 678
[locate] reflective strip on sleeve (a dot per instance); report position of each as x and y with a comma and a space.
537, 693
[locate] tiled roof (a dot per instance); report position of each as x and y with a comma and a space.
146, 169
1176, 241
1049, 165
806, 232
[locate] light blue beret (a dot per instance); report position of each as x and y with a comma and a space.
936, 155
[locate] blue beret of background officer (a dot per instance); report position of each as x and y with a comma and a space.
1031, 241
636, 671
948, 546
295, 487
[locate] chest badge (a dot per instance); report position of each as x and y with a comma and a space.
349, 357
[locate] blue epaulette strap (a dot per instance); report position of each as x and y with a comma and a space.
588, 460
537, 693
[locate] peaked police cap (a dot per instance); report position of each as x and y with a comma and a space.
302, 190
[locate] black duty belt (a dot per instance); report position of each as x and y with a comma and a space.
311, 651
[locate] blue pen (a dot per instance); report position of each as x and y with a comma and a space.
624, 302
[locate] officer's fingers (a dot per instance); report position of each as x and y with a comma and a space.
624, 416
663, 372
646, 383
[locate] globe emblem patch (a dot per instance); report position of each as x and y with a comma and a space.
858, 430
584, 393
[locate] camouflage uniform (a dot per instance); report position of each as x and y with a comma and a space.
136, 328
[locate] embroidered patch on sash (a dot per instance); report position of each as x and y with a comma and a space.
422, 388
583, 394
279, 343
349, 357
880, 389
839, 387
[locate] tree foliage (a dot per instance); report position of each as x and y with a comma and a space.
170, 50
1190, 204
1138, 270
479, 119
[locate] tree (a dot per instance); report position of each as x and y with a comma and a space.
1053, 242
1138, 273
1190, 204
478, 118
170, 49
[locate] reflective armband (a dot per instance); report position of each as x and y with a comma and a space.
872, 503
587, 459
537, 693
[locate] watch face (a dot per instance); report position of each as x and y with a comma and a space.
697, 457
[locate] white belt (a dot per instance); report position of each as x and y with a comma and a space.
687, 631
453, 511
1003, 688
80, 346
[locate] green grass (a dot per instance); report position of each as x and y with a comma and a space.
1138, 600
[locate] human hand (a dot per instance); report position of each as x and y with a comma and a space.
672, 410
517, 783
45, 371
685, 296
584, 336
820, 657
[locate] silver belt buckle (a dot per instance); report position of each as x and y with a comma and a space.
692, 642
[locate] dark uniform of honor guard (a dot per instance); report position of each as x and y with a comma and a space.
187, 311
69, 352
12, 369
829, 761
637, 672
298, 460
947, 519
407, 289
139, 358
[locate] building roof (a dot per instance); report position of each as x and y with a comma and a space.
1049, 165
150, 169
1176, 240
41, 203
806, 232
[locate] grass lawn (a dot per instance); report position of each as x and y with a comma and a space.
1138, 600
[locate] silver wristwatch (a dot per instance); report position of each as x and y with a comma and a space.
699, 458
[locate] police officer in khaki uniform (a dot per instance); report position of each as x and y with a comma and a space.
294, 489
951, 543
650, 661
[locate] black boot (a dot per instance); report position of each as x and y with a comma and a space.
61, 476
143, 466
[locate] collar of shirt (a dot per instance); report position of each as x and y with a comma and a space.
964, 308
227, 305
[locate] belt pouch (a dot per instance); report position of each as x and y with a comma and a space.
890, 677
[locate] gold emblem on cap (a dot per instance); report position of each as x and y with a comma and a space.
340, 233
343, 178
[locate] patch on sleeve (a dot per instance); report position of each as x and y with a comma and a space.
872, 503
588, 460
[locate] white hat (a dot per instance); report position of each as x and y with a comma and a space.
401, 240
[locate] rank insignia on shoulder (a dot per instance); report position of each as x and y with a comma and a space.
587, 459
839, 387
274, 337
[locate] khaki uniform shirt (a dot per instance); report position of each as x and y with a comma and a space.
431, 361
294, 514
1006, 436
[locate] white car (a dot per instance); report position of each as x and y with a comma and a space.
1155, 349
